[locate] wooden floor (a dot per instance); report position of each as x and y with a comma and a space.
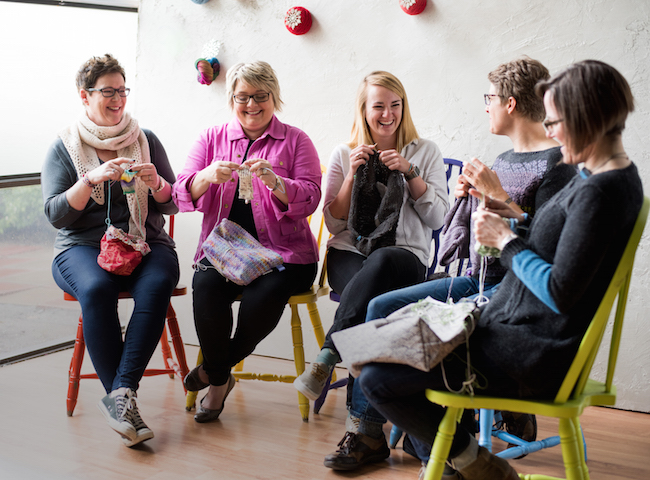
259, 436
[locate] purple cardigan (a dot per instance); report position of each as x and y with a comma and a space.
282, 228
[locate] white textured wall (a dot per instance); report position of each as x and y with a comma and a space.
442, 56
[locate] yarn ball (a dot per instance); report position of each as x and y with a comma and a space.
200, 2
298, 20
413, 7
208, 70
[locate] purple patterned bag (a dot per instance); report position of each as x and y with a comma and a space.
236, 254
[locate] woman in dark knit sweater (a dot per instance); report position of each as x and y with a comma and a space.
530, 331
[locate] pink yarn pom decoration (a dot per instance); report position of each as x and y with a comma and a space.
298, 20
413, 7
208, 70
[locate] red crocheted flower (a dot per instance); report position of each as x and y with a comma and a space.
298, 20
413, 7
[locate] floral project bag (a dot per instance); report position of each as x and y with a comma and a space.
237, 255
420, 334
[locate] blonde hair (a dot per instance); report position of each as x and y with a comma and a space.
361, 134
259, 75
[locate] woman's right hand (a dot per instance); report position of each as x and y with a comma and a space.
462, 186
110, 170
359, 156
219, 172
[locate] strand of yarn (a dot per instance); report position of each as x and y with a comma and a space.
467, 386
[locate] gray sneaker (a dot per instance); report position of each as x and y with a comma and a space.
311, 382
142, 431
115, 407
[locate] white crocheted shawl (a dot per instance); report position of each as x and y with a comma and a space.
125, 138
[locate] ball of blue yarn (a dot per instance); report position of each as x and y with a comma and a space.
200, 2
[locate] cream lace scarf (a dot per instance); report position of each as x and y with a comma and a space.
125, 138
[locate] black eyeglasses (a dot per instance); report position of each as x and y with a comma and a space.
258, 97
108, 92
488, 98
549, 123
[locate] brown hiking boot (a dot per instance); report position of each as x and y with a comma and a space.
355, 449
488, 467
522, 425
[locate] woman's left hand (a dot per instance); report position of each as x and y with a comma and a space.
497, 206
148, 174
489, 228
263, 169
394, 161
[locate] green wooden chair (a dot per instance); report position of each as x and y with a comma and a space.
577, 390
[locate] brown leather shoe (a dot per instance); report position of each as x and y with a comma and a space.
488, 467
356, 449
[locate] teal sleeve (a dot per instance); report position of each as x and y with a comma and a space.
535, 273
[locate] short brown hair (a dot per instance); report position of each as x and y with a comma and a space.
96, 67
517, 79
592, 98
361, 134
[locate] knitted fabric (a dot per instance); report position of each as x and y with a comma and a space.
530, 179
237, 255
81, 141
375, 204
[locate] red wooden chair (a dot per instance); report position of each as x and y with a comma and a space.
177, 366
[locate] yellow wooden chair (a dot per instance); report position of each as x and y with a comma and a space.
576, 392
308, 298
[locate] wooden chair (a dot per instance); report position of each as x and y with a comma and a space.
577, 390
178, 366
308, 298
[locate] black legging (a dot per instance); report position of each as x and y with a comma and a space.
260, 309
358, 279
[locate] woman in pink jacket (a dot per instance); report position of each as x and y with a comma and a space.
286, 175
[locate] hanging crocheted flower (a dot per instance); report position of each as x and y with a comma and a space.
298, 20
208, 65
413, 7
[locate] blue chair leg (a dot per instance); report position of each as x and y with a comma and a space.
486, 432
395, 435
486, 419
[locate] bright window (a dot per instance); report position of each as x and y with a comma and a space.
43, 46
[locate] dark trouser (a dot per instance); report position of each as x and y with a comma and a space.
260, 310
119, 363
358, 279
397, 392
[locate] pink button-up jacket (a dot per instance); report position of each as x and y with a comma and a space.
282, 228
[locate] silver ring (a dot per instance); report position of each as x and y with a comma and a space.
358, 155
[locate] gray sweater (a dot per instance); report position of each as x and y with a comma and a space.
417, 218
86, 227
581, 232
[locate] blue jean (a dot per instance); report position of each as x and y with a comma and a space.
119, 362
385, 304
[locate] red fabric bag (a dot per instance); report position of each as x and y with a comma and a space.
120, 252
